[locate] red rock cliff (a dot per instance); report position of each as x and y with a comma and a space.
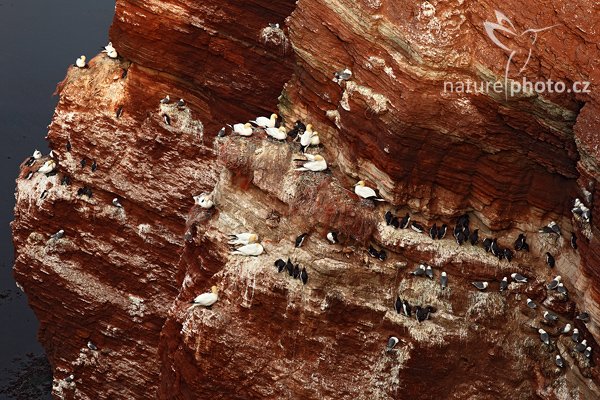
122, 278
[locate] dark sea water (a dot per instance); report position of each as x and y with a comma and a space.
40, 38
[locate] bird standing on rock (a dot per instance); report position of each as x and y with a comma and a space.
392, 342
206, 299
80, 62
243, 238
315, 163
252, 249
264, 122
366, 192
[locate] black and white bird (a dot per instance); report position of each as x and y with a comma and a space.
549, 316
181, 103
429, 272
575, 335
562, 289
573, 241
392, 342
565, 329
550, 260
221, 132
480, 285
405, 221
544, 337
552, 227
560, 363
119, 112
296, 272
406, 308
332, 236
584, 316
342, 75
474, 238
388, 217
588, 352
518, 278
91, 346
94, 166
415, 226
280, 264
116, 203
398, 305
58, 235
442, 231
504, 284
304, 276
289, 267
554, 283
433, 232
444, 280
508, 254
300, 240
520, 242
373, 252
165, 100
530, 303
580, 347
487, 244
422, 313
494, 248
420, 271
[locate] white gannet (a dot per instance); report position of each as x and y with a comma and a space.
243, 238
306, 137
47, 167
243, 129
265, 122
315, 163
80, 63
366, 192
252, 249
206, 299
37, 154
314, 140
277, 133
110, 51
204, 200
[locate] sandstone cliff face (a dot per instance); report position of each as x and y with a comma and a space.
122, 278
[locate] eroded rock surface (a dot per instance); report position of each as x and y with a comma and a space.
123, 278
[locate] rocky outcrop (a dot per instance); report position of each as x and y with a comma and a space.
123, 278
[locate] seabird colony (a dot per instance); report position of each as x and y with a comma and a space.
247, 243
